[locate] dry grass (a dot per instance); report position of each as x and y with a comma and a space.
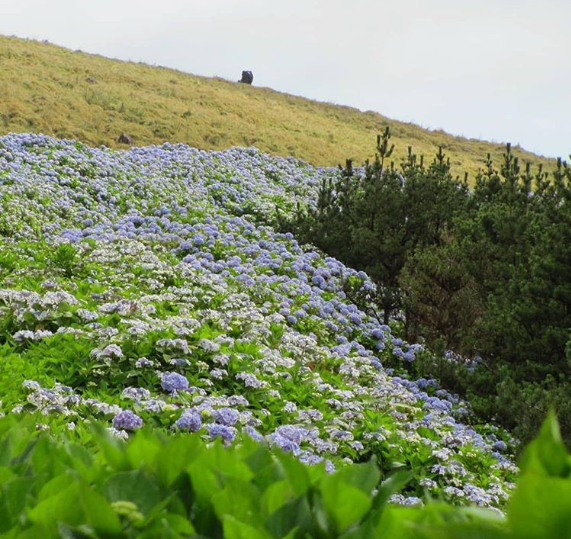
53, 90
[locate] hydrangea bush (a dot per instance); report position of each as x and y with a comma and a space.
147, 288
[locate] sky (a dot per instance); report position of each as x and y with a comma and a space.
496, 70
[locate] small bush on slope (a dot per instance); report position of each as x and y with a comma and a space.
481, 272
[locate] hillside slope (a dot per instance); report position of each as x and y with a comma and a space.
52, 90
139, 288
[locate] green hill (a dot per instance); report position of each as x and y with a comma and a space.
50, 89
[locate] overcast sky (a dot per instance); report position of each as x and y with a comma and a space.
490, 69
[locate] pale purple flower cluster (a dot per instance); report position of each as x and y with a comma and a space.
227, 434
173, 382
127, 420
226, 416
189, 421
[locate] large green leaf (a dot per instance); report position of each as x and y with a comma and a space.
136, 487
441, 521
55, 485
142, 449
13, 494
394, 484
225, 463
294, 514
205, 482
240, 499
234, 529
365, 477
98, 513
547, 453
169, 526
345, 504
296, 473
113, 449
276, 495
176, 456
82, 461
60, 506
398, 522
540, 508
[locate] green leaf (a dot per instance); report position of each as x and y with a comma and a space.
441, 521
82, 460
398, 522
270, 474
67, 532
225, 463
60, 507
345, 504
296, 473
13, 496
54, 486
44, 458
38, 530
295, 514
276, 495
393, 485
541, 508
259, 459
5, 451
136, 487
176, 457
366, 530
239, 499
112, 448
291, 535
547, 453
98, 513
365, 477
204, 481
465, 530
178, 524
142, 449
234, 529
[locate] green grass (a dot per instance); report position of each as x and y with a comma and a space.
49, 89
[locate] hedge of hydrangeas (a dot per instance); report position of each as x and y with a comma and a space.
147, 288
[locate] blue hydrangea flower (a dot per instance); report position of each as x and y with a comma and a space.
500, 446
253, 433
189, 421
226, 416
127, 420
221, 431
173, 381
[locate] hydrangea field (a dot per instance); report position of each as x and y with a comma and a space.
146, 288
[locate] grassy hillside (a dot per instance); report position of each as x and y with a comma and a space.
53, 90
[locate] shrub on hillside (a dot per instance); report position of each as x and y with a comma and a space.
482, 272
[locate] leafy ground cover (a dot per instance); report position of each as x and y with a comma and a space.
90, 485
144, 289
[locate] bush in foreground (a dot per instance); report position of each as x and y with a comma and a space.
177, 486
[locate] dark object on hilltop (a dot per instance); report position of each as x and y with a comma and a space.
91, 80
247, 77
125, 139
